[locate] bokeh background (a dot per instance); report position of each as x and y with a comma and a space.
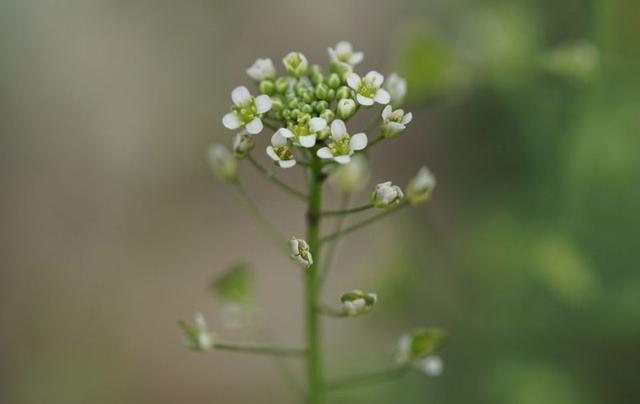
112, 226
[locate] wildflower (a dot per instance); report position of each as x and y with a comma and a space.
296, 64
343, 52
385, 195
356, 302
300, 251
246, 111
343, 145
222, 162
351, 177
394, 122
431, 365
397, 88
262, 69
242, 145
368, 89
421, 186
419, 345
346, 108
197, 335
305, 134
279, 150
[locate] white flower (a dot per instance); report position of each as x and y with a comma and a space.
246, 111
394, 122
343, 145
222, 162
351, 177
356, 302
279, 150
305, 134
385, 195
197, 335
296, 64
242, 145
346, 108
431, 365
343, 52
403, 351
300, 253
397, 88
368, 89
262, 69
421, 186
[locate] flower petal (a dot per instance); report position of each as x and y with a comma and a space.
254, 127
231, 121
272, 153
338, 129
286, 163
285, 133
407, 118
358, 141
343, 47
324, 153
353, 80
317, 124
374, 78
382, 97
356, 58
386, 112
240, 96
307, 141
342, 159
362, 100
263, 103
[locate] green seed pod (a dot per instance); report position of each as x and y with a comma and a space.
322, 91
334, 81
282, 85
267, 87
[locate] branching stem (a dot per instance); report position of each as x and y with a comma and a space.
271, 177
368, 378
261, 349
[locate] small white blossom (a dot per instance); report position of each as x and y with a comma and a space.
262, 69
346, 108
385, 195
351, 177
343, 52
431, 365
421, 186
296, 64
305, 134
197, 335
403, 350
279, 150
357, 302
222, 162
242, 145
300, 253
369, 88
394, 122
246, 111
397, 88
343, 145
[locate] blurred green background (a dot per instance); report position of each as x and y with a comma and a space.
113, 227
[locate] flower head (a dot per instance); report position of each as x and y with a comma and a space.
279, 150
357, 302
242, 145
351, 177
246, 111
296, 64
304, 133
222, 162
397, 88
343, 145
299, 250
394, 122
343, 52
369, 88
421, 186
197, 335
385, 195
262, 69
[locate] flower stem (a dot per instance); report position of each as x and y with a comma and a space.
343, 212
314, 354
372, 219
260, 349
271, 177
331, 312
331, 252
369, 378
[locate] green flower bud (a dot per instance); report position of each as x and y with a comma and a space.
307, 96
320, 106
331, 95
242, 145
341, 69
307, 108
316, 75
385, 195
419, 345
328, 115
334, 81
346, 108
293, 103
222, 162
322, 91
344, 92
421, 186
276, 103
267, 87
286, 114
324, 133
356, 302
282, 85
296, 64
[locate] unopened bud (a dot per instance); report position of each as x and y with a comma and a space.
222, 163
421, 186
385, 195
242, 145
346, 108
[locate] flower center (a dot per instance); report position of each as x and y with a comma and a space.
284, 153
247, 112
341, 147
368, 89
300, 129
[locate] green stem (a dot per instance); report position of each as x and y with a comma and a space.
343, 212
331, 252
271, 177
260, 349
314, 355
372, 219
369, 378
331, 312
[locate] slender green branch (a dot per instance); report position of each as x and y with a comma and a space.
363, 223
278, 238
331, 312
331, 252
260, 349
369, 378
343, 212
271, 177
